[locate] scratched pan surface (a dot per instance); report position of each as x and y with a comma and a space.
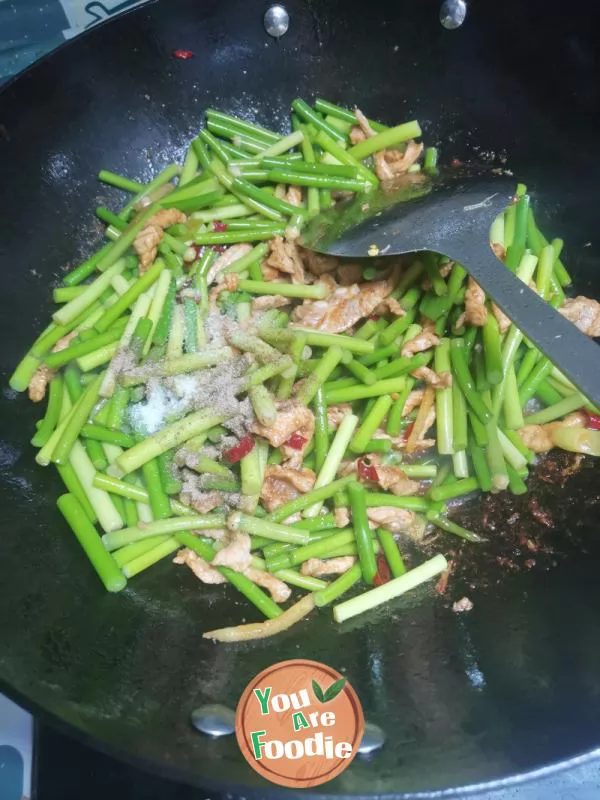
510, 687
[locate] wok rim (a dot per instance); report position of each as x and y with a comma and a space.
273, 792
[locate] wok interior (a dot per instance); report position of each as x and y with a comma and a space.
463, 699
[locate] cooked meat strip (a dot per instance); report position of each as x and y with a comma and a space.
389, 477
402, 160
439, 380
539, 437
285, 257
292, 457
202, 502
236, 553
424, 444
503, 321
344, 307
356, 135
278, 590
342, 517
316, 567
390, 306
335, 414
413, 401
218, 534
294, 195
395, 520
427, 425
271, 274
43, 375
283, 484
65, 341
213, 296
584, 313
421, 342
265, 302
231, 281
318, 264
39, 382
536, 438
292, 417
363, 124
396, 481
201, 568
389, 164
475, 310
423, 421
347, 274
499, 250
147, 241
226, 259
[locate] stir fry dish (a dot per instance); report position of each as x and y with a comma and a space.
279, 420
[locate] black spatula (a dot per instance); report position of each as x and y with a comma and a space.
452, 216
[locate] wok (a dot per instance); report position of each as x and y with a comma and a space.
464, 699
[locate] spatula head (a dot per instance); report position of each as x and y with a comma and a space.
452, 215
446, 214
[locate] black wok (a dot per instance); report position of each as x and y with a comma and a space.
512, 686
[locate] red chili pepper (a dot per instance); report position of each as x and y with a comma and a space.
455, 163
407, 432
366, 472
296, 441
218, 248
383, 574
593, 421
241, 449
375, 317
183, 54
219, 227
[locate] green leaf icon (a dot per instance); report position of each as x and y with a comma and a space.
334, 690
331, 693
318, 692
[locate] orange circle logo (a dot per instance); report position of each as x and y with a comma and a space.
299, 723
